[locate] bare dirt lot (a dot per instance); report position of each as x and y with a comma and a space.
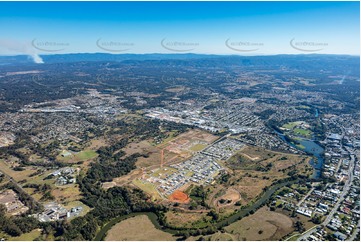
153, 159
188, 142
231, 197
178, 196
139, 228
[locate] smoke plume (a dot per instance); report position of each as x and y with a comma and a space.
22, 48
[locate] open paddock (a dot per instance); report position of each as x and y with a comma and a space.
189, 142
24, 174
153, 153
186, 219
149, 188
262, 225
138, 228
68, 193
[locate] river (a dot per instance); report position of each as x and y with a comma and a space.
310, 147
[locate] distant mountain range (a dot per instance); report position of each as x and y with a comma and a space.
62, 58
245, 60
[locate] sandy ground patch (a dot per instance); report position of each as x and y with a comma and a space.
231, 197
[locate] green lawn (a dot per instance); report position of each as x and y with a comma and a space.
303, 132
291, 125
81, 156
86, 155
197, 147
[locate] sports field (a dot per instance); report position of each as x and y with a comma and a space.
72, 157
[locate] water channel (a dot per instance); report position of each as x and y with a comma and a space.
312, 148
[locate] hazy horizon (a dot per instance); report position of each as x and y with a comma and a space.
220, 28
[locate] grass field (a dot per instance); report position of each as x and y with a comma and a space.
291, 125
187, 220
198, 147
163, 172
16, 175
84, 155
138, 228
27, 236
298, 128
262, 225
148, 188
68, 193
303, 132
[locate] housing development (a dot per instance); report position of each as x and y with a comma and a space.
205, 163
200, 169
180, 121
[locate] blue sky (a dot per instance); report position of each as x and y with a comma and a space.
251, 28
